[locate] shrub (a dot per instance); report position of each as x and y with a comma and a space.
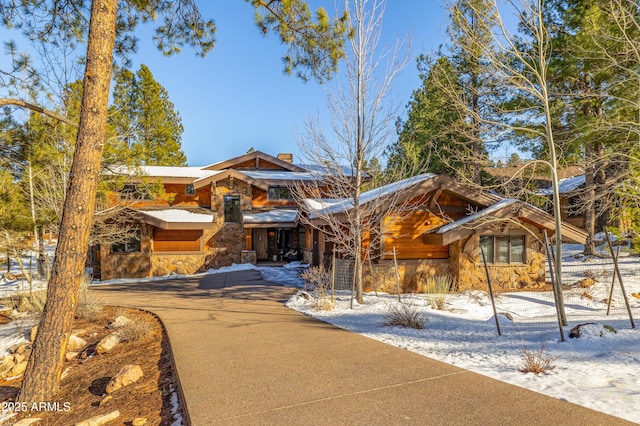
135, 331
89, 306
403, 315
537, 361
437, 288
318, 281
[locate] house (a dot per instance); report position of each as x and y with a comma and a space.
238, 210
444, 234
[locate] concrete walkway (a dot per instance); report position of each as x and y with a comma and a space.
243, 358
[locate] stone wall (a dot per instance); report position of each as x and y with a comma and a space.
127, 265
469, 271
224, 245
412, 275
165, 264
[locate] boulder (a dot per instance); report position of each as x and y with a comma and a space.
100, 420
71, 355
107, 343
76, 343
586, 283
120, 321
127, 375
17, 369
105, 400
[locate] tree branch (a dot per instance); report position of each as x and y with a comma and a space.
36, 108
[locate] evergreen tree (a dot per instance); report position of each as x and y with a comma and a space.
428, 136
144, 121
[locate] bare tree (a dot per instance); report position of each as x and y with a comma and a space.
521, 63
362, 118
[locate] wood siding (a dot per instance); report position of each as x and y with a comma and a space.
406, 236
260, 199
176, 241
257, 163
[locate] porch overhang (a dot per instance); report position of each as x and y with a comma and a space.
278, 218
178, 219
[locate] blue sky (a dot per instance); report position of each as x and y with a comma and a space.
237, 97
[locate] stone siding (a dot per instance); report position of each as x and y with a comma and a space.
165, 264
411, 273
469, 271
127, 265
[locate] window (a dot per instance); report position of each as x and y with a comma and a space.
279, 193
232, 209
131, 246
131, 191
503, 249
190, 190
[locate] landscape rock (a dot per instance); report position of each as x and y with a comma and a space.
107, 343
127, 375
120, 321
76, 343
65, 373
105, 400
21, 348
71, 355
27, 422
586, 283
17, 369
100, 420
6, 366
139, 421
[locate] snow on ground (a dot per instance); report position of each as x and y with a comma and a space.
599, 370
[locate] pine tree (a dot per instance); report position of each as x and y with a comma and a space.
144, 120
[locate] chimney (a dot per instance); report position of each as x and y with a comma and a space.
286, 157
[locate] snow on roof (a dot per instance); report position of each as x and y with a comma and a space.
342, 206
346, 170
566, 185
179, 216
272, 216
467, 219
279, 175
164, 171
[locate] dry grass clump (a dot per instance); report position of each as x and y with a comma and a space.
29, 303
437, 288
135, 331
537, 362
404, 315
89, 306
318, 282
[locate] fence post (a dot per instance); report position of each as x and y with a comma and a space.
395, 265
333, 275
493, 302
553, 283
617, 270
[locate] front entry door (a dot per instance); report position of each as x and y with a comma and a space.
260, 243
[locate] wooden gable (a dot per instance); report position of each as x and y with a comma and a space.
255, 160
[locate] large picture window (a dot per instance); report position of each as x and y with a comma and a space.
131, 246
279, 193
232, 211
503, 249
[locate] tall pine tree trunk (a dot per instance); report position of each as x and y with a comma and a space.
42, 377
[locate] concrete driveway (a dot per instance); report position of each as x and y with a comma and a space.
243, 358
